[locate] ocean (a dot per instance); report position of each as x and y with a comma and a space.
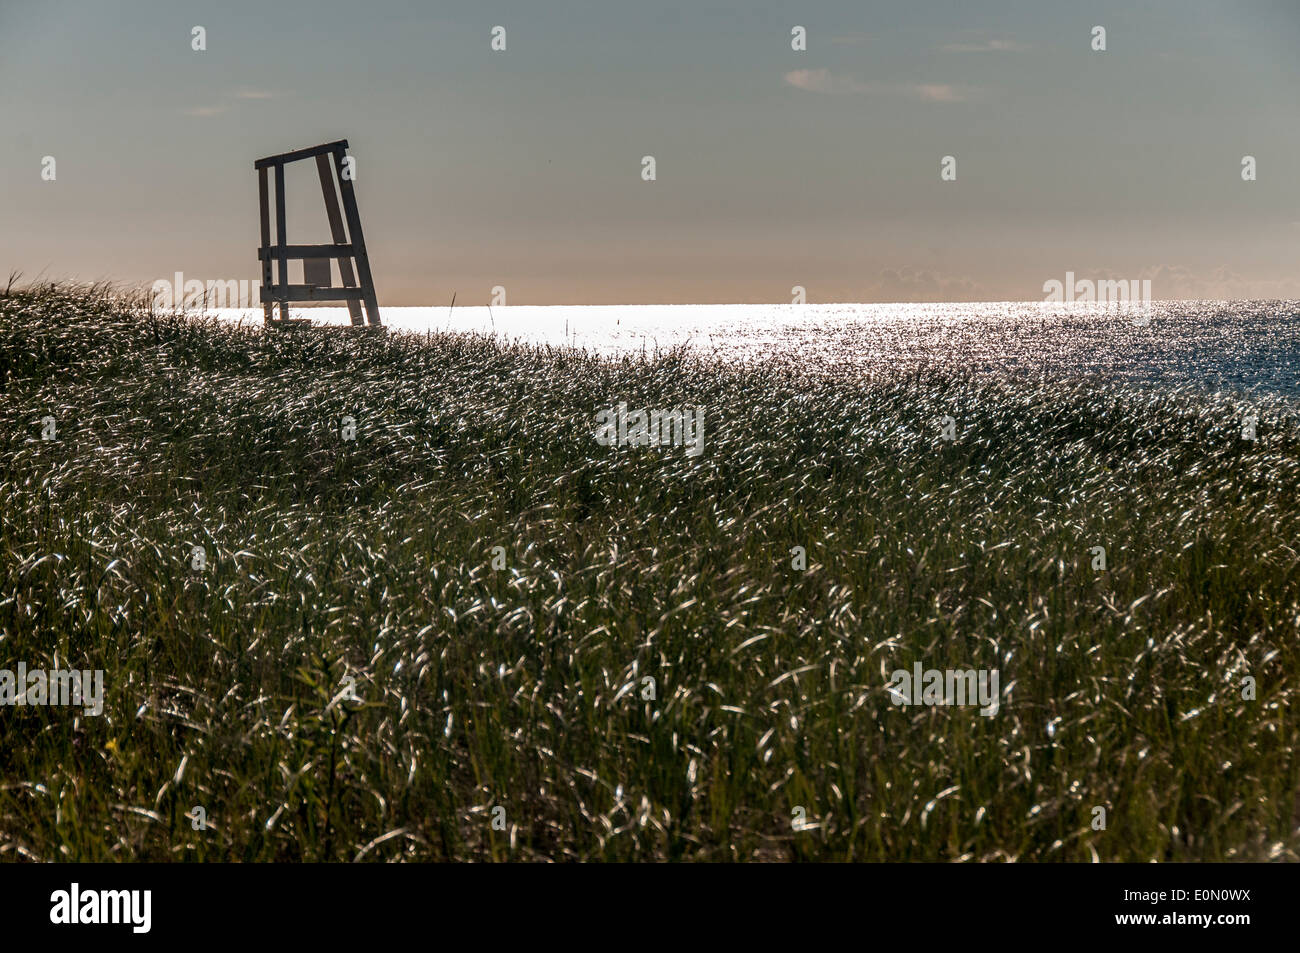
1251, 347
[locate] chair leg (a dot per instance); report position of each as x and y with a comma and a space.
336, 230
358, 243
281, 237
265, 205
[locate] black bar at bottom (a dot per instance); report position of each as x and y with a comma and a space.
912, 906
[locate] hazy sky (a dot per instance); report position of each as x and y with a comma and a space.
774, 168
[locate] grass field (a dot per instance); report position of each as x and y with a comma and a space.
369, 562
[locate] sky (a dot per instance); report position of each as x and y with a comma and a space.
774, 168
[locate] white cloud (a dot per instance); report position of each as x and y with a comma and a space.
991, 45
822, 81
826, 82
939, 93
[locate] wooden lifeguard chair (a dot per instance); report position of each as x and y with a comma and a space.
348, 245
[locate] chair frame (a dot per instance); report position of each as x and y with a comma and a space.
349, 245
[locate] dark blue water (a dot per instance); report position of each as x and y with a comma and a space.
1249, 347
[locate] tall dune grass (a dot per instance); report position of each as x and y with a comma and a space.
524, 688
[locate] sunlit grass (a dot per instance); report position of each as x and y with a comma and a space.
523, 688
